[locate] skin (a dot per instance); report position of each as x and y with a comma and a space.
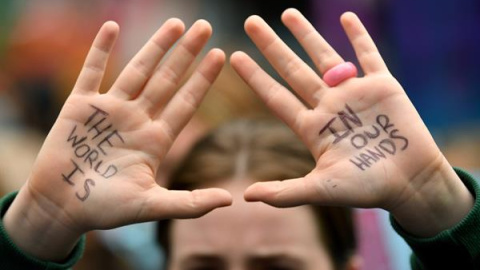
263, 237
47, 219
417, 185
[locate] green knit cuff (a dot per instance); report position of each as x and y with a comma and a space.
11, 257
459, 246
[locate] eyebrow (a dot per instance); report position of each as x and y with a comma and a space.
203, 258
275, 258
253, 259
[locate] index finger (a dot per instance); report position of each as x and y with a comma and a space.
279, 99
162, 204
286, 193
139, 70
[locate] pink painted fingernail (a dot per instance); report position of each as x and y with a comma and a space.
340, 73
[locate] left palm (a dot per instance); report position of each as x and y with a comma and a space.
371, 147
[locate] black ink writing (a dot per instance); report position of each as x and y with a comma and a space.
95, 113
338, 137
82, 150
388, 146
110, 171
384, 122
396, 136
359, 141
385, 147
86, 186
373, 135
107, 140
376, 153
68, 178
370, 156
375, 141
360, 163
91, 157
351, 116
346, 118
97, 129
89, 143
73, 137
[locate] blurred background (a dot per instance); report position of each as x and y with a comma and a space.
431, 47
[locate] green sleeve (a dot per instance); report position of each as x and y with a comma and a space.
11, 257
455, 248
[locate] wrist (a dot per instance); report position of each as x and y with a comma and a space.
439, 204
37, 232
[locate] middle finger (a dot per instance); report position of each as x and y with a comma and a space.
322, 54
164, 82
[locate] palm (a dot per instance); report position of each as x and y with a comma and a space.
368, 156
118, 173
364, 133
99, 162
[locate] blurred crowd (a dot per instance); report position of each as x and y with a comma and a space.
431, 47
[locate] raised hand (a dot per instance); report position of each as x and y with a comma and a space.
371, 146
97, 167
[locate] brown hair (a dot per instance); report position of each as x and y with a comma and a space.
263, 150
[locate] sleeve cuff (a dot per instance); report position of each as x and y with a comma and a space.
455, 248
11, 257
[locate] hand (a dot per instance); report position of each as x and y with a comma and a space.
97, 167
371, 146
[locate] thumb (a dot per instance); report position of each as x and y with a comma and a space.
292, 192
185, 204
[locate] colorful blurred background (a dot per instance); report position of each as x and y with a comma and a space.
432, 47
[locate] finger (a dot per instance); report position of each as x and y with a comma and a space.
295, 72
365, 49
286, 193
322, 54
134, 76
163, 83
279, 99
163, 204
293, 192
91, 75
183, 105
340, 73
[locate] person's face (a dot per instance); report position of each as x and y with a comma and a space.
249, 236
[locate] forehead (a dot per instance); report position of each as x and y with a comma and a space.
247, 229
